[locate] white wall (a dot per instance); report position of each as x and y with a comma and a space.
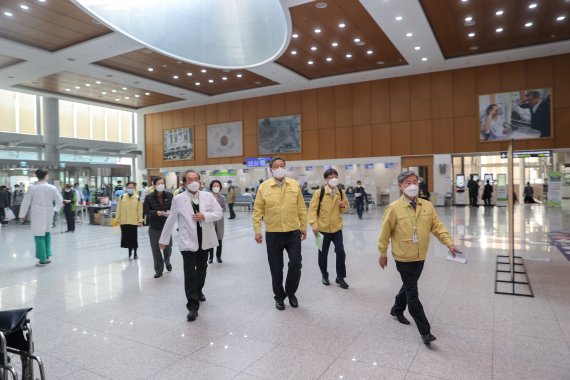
442, 179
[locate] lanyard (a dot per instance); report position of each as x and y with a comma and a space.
414, 225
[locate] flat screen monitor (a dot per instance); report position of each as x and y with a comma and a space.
460, 183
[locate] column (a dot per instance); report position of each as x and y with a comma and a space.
51, 129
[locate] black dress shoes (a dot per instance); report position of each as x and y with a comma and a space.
342, 283
293, 301
192, 315
219, 260
202, 298
428, 338
403, 320
157, 275
326, 281
169, 267
280, 305
210, 261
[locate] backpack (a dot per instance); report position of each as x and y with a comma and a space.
322, 195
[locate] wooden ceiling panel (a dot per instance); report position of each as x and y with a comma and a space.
84, 87
334, 50
51, 25
204, 80
496, 24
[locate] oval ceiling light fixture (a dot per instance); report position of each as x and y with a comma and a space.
229, 34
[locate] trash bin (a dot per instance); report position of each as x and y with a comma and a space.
448, 199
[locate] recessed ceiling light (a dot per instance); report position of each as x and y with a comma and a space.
203, 70
464, 1
189, 74
150, 69
295, 35
424, 59
528, 25
334, 44
103, 93
499, 30
499, 12
380, 62
137, 95
126, 97
147, 93
342, 25
409, 34
197, 83
224, 78
98, 81
310, 62
349, 55
471, 35
175, 77
317, 30
533, 5
560, 18
8, 14
475, 47
113, 90
398, 18
124, 89
68, 89
239, 75
25, 7
417, 48
329, 59
468, 18
369, 52
293, 52
87, 85
356, 40
321, 5
313, 48
117, 100
211, 80
77, 87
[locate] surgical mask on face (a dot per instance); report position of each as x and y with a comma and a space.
216, 189
160, 188
411, 190
279, 173
333, 182
193, 186
130, 191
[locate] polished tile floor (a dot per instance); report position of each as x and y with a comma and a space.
99, 315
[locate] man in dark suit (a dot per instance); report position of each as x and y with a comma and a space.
539, 112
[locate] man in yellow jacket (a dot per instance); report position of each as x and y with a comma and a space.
280, 202
325, 217
408, 223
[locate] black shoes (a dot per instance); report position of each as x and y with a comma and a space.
210, 261
157, 275
293, 301
428, 338
342, 283
192, 315
202, 298
403, 320
130, 253
219, 260
169, 267
280, 305
326, 281
135, 256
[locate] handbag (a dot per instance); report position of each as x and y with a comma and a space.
9, 214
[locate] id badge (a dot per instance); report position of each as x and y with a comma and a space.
414, 235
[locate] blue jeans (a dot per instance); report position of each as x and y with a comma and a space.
359, 203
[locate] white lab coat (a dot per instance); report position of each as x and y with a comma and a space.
181, 212
43, 199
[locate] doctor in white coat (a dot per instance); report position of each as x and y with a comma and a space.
44, 200
195, 212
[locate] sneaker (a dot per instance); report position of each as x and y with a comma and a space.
48, 261
38, 264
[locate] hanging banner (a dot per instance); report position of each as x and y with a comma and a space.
554, 189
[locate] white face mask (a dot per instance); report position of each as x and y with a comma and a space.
411, 191
131, 191
216, 189
160, 188
193, 186
333, 182
278, 173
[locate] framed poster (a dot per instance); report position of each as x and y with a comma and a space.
225, 140
280, 134
517, 115
178, 144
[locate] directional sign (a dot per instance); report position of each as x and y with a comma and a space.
529, 153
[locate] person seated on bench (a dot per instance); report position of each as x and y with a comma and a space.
247, 197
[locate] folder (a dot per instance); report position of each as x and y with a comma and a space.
319, 241
460, 258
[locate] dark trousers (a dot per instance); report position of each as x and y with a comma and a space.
359, 203
232, 213
17, 212
70, 218
159, 260
473, 199
336, 239
218, 251
276, 243
195, 266
410, 273
487, 201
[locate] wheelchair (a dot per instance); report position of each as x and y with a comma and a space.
16, 339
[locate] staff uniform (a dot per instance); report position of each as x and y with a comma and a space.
154, 202
282, 206
329, 223
194, 239
400, 218
43, 199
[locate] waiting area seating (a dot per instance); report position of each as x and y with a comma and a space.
245, 201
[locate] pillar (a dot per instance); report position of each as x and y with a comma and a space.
51, 129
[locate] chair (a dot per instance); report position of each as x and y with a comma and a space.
16, 338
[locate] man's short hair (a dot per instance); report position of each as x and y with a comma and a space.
191, 171
41, 173
276, 159
330, 172
402, 177
533, 94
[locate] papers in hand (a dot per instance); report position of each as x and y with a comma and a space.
460, 258
319, 241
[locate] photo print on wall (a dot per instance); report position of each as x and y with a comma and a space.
280, 134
